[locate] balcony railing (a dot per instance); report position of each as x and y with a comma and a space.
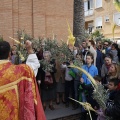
89, 12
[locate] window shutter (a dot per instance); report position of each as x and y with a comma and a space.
117, 18
98, 22
98, 3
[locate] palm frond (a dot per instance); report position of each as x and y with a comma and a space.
117, 4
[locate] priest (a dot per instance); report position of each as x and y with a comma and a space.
19, 96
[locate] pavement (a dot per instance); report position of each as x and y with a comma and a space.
60, 111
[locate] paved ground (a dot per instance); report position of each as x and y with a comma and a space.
60, 111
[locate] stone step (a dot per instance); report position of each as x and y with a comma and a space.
70, 117
62, 113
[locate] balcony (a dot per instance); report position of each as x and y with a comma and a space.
89, 12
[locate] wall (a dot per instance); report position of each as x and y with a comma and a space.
37, 17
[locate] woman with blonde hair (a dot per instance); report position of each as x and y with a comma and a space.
114, 71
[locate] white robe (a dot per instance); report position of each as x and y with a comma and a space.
33, 62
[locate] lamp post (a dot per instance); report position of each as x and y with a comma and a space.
90, 29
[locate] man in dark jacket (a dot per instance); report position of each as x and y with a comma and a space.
99, 61
113, 103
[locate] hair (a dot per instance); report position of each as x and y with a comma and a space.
4, 50
91, 55
46, 52
109, 56
115, 45
107, 42
115, 81
117, 71
100, 46
92, 42
14, 46
98, 78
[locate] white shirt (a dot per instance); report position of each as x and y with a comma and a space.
93, 51
67, 76
33, 62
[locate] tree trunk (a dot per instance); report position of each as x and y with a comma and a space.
79, 21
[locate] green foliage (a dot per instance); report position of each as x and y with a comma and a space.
105, 39
64, 49
47, 45
78, 63
52, 46
46, 66
97, 35
101, 96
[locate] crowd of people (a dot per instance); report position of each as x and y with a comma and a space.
58, 82
100, 60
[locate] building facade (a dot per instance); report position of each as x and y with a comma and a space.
37, 17
102, 15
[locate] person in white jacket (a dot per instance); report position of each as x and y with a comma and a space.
91, 49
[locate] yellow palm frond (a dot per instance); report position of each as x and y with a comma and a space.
117, 4
71, 38
86, 106
113, 30
18, 42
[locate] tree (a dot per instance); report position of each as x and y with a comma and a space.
79, 21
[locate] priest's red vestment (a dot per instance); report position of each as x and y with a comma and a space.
19, 96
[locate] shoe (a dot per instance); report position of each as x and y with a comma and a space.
51, 107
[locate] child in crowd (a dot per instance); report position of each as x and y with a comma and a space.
86, 87
69, 83
113, 103
89, 90
15, 59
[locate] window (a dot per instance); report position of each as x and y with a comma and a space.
85, 6
90, 2
107, 18
98, 23
116, 18
88, 5
98, 3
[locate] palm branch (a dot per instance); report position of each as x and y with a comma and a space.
117, 4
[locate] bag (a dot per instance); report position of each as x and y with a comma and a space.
48, 79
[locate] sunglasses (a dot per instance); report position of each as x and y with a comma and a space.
106, 44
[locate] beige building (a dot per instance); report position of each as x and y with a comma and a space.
102, 15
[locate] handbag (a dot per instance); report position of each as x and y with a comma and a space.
48, 79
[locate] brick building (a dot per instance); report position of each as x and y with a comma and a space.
37, 17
